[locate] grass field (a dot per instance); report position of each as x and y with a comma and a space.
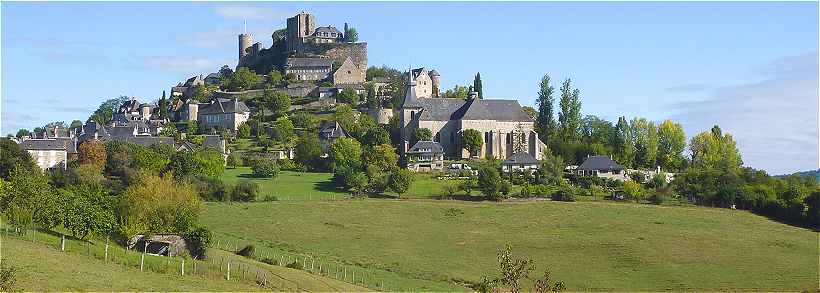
431, 245
288, 185
42, 267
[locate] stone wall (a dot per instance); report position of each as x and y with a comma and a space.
339, 52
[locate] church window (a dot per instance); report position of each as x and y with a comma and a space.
508, 138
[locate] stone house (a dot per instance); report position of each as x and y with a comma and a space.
602, 166
325, 35
310, 69
223, 113
187, 89
160, 244
520, 161
504, 126
329, 132
425, 156
348, 73
50, 153
427, 82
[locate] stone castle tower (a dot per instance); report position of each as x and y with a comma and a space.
245, 41
299, 26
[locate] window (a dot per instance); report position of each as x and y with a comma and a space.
412, 114
509, 138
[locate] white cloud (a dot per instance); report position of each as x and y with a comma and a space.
774, 121
250, 13
188, 65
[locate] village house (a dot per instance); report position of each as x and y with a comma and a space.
603, 167
309, 69
503, 125
425, 156
50, 153
223, 113
329, 132
348, 73
520, 161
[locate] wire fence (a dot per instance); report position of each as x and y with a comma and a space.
104, 249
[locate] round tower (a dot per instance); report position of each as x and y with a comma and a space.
435, 78
245, 42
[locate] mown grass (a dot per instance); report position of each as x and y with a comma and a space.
435, 245
288, 185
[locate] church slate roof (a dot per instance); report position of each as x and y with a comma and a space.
332, 130
442, 109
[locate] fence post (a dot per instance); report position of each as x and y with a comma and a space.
62, 243
106, 248
229, 270
353, 272
142, 256
194, 265
183, 266
217, 244
345, 276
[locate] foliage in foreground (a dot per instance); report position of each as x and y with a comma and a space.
512, 271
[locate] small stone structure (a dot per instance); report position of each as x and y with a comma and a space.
160, 244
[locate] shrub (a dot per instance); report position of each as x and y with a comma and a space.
294, 265
210, 188
505, 188
565, 194
247, 251
244, 191
8, 276
234, 160
198, 240
265, 168
657, 198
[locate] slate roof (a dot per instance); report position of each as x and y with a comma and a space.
224, 106
328, 30
426, 146
149, 140
186, 146
381, 79
309, 63
61, 144
443, 109
520, 158
603, 163
215, 142
331, 130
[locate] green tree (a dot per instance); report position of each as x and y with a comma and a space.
75, 124
646, 142
308, 151
671, 143
25, 192
265, 168
278, 102
345, 116
471, 141
422, 134
349, 96
457, 92
376, 136
400, 181
715, 150
489, 181
105, 112
381, 156
345, 153
275, 78
477, 85
209, 162
22, 132
304, 121
163, 104
283, 129
88, 210
634, 190
92, 152
241, 80
569, 119
244, 130
233, 160
162, 205
13, 156
351, 35
551, 170
624, 144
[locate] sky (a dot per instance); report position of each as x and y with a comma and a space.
750, 67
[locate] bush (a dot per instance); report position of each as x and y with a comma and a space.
8, 276
565, 194
244, 191
198, 240
657, 198
505, 188
294, 265
210, 188
247, 251
265, 168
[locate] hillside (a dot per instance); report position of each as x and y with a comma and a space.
433, 245
74, 271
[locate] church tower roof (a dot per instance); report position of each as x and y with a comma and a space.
411, 99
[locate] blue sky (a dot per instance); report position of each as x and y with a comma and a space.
751, 67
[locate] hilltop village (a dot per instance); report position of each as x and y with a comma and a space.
304, 157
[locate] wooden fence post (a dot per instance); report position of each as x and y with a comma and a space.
183, 266
62, 243
229, 270
142, 256
106, 248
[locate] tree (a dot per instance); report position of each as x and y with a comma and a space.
308, 151
304, 121
349, 96
471, 141
489, 181
457, 92
646, 142
345, 116
105, 112
345, 154
13, 156
278, 102
88, 210
233, 160
242, 79
422, 134
163, 105
382, 156
400, 181
477, 85
671, 143
245, 191
715, 150
624, 144
283, 129
92, 152
551, 170
530, 111
244, 130
569, 119
351, 35
275, 77
22, 132
265, 168
376, 136
513, 271
75, 124
25, 194
162, 205
209, 162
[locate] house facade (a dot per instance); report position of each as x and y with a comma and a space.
504, 127
425, 156
348, 73
603, 167
310, 69
223, 113
329, 132
520, 162
50, 153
